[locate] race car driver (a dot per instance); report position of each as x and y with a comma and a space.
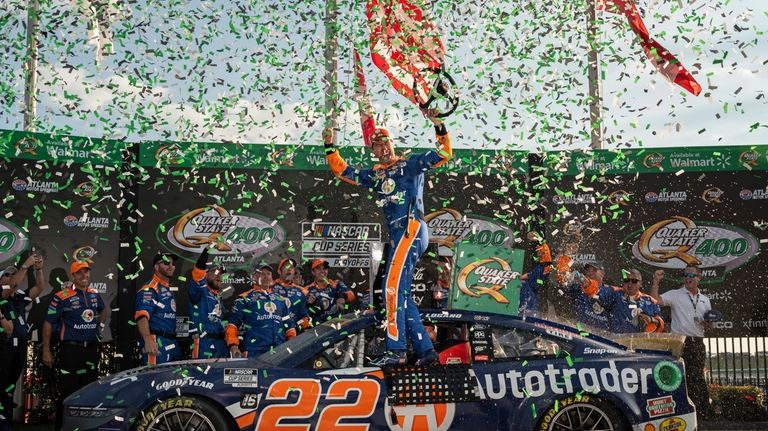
398, 185
581, 290
156, 313
205, 309
326, 298
296, 295
263, 316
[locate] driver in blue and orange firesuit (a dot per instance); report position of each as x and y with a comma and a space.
263, 316
534, 280
79, 312
398, 185
630, 309
205, 309
156, 313
589, 311
296, 294
326, 298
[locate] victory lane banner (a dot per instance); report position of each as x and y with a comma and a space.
487, 279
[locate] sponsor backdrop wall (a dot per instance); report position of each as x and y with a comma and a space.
631, 208
267, 204
61, 204
263, 203
664, 209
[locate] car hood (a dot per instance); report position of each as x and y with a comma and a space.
153, 381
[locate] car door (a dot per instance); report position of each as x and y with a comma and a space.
329, 388
515, 366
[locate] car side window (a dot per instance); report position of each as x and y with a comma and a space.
345, 353
516, 343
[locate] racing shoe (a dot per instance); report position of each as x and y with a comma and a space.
428, 358
390, 359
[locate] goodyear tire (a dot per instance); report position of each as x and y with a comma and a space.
584, 412
182, 414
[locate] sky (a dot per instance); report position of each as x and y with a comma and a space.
251, 72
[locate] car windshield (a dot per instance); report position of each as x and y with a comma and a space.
281, 353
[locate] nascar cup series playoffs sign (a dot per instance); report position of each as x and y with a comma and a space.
238, 237
678, 241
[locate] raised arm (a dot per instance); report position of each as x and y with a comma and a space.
339, 166
657, 276
444, 149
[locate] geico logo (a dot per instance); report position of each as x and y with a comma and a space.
723, 325
536, 383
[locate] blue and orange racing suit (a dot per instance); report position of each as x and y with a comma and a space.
398, 187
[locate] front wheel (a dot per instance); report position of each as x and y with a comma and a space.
182, 414
582, 413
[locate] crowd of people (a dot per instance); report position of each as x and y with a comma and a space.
608, 310
272, 311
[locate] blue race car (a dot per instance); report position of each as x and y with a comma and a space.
495, 373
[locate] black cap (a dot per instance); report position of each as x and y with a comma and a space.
596, 264
215, 266
161, 256
263, 265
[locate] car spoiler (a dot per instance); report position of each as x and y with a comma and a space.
667, 342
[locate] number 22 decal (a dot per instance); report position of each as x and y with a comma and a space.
304, 407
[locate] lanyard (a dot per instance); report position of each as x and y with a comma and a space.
694, 303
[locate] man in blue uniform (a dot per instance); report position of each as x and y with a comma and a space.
79, 312
156, 313
630, 309
296, 295
398, 185
581, 291
326, 298
263, 316
205, 309
13, 328
534, 280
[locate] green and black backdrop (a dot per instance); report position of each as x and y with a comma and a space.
119, 203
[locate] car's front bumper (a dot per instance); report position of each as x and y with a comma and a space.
96, 419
